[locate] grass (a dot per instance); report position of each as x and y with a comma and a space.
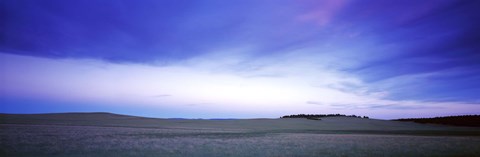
117, 135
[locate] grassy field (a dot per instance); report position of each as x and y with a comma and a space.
103, 134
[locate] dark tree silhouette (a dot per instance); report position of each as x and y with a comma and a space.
463, 120
318, 116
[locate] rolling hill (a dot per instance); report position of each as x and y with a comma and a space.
326, 125
107, 134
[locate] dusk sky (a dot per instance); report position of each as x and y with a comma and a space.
241, 58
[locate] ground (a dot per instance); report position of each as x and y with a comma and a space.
103, 134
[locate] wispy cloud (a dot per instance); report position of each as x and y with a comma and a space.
161, 95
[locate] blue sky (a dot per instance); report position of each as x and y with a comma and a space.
241, 59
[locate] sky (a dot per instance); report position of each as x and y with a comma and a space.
241, 58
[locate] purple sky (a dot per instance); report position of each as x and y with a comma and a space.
241, 58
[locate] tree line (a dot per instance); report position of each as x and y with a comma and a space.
462, 120
318, 116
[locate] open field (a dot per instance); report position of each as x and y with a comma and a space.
102, 134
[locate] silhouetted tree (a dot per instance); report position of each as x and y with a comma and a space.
463, 120
318, 116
